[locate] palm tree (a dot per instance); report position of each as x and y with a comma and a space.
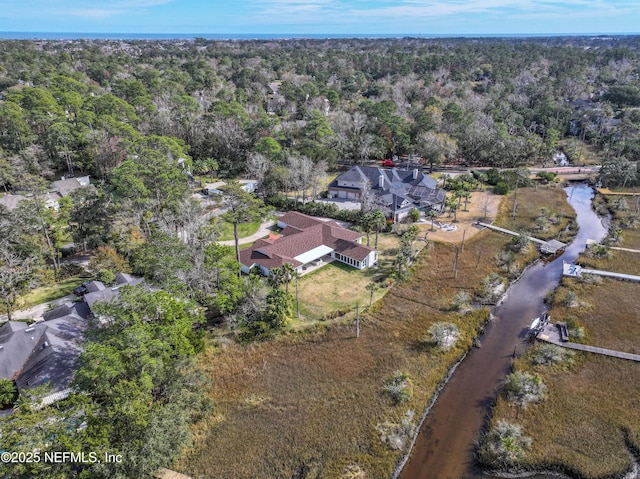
276, 277
378, 221
467, 196
7, 392
450, 202
288, 273
371, 287
432, 215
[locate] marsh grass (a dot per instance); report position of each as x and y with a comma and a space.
311, 401
529, 205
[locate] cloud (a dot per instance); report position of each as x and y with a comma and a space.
412, 12
57, 8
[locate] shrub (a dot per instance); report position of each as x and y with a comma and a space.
354, 471
414, 214
571, 300
494, 177
598, 251
503, 446
444, 335
8, 393
461, 301
575, 330
546, 176
398, 388
548, 354
108, 277
395, 435
502, 188
490, 288
520, 243
524, 388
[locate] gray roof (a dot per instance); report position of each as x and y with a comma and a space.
99, 292
11, 201
66, 186
17, 340
93, 286
44, 352
105, 295
54, 357
398, 185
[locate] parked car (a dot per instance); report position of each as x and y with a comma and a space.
81, 290
388, 163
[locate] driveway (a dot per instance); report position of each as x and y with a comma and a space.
38, 310
263, 231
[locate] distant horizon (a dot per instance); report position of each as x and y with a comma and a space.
320, 18
71, 35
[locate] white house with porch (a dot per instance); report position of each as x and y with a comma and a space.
307, 242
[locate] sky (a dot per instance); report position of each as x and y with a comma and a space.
361, 17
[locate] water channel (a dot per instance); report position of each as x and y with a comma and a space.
445, 444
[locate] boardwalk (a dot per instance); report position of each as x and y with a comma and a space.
606, 191
545, 246
550, 334
169, 474
570, 269
617, 248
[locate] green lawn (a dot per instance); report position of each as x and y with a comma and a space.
338, 286
49, 293
244, 229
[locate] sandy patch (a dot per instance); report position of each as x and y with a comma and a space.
480, 201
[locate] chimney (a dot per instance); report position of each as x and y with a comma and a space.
381, 181
415, 173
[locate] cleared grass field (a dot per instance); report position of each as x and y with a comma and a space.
244, 229
337, 286
49, 293
593, 405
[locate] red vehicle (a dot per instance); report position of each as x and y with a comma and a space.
388, 163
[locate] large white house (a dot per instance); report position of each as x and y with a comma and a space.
306, 241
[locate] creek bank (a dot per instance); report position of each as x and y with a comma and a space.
453, 424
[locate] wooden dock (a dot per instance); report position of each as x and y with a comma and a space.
575, 270
551, 334
549, 247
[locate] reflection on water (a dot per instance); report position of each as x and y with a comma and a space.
445, 444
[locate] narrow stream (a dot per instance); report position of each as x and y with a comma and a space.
445, 444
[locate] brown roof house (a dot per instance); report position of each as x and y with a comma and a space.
306, 241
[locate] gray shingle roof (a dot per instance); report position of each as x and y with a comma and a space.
66, 186
43, 352
411, 184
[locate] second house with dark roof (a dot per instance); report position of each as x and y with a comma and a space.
394, 191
